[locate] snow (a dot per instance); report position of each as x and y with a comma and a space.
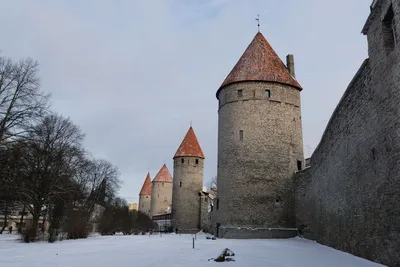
170, 251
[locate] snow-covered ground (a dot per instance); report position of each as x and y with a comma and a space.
170, 251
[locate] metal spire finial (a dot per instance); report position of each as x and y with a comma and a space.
190, 123
258, 22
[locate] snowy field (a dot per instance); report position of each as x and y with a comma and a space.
170, 251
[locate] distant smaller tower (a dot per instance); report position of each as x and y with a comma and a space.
161, 192
188, 185
145, 196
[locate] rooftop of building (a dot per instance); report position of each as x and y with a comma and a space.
163, 175
260, 62
190, 146
146, 188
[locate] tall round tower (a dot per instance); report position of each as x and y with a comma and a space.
145, 196
161, 192
260, 145
187, 184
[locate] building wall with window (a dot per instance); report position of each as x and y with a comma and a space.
349, 197
259, 147
133, 206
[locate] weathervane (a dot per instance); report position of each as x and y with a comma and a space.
258, 22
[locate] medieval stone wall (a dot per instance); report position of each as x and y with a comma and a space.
161, 197
145, 204
205, 217
304, 204
187, 184
349, 197
255, 174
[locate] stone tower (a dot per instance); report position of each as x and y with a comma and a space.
145, 196
260, 145
188, 184
161, 192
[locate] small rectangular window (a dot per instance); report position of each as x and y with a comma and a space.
254, 93
217, 203
299, 165
240, 93
241, 135
180, 184
197, 161
267, 93
182, 160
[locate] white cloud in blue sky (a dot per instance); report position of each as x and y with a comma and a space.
133, 74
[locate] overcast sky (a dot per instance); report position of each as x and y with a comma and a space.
134, 73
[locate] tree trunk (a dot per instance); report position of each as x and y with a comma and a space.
31, 234
56, 214
5, 218
21, 219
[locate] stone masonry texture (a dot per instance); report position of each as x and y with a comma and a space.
161, 197
255, 175
187, 184
145, 204
349, 197
205, 216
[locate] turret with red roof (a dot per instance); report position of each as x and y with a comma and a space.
260, 144
145, 196
161, 192
187, 199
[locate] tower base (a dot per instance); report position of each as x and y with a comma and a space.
256, 233
188, 231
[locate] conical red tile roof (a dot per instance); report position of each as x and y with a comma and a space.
260, 63
190, 146
146, 188
163, 175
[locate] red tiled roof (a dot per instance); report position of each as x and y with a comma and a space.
163, 175
146, 188
190, 146
260, 63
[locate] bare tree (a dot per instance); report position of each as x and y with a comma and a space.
212, 186
47, 165
118, 217
21, 100
98, 181
9, 165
